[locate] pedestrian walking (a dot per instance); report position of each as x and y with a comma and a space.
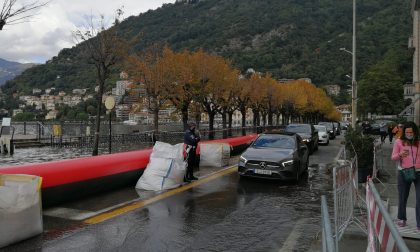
406, 151
383, 132
390, 134
191, 139
398, 130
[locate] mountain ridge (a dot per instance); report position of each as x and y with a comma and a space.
11, 69
290, 39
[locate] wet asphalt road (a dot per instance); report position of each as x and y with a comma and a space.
227, 213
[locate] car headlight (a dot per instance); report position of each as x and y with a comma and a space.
324, 136
242, 159
307, 140
287, 163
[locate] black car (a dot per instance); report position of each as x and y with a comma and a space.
282, 156
308, 133
330, 128
337, 128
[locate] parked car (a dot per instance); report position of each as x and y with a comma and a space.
323, 137
275, 155
307, 132
337, 128
330, 128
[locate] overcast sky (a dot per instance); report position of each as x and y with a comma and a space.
51, 29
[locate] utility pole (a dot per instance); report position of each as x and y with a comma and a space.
353, 74
353, 71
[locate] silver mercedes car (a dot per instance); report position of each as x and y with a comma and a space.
282, 156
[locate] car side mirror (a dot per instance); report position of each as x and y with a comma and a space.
316, 131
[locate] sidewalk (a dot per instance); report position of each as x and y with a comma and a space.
389, 191
354, 239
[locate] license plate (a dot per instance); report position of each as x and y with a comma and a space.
265, 172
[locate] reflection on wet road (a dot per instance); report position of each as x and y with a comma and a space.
225, 214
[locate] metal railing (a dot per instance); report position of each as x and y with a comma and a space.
327, 237
147, 138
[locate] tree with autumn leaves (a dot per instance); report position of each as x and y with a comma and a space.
198, 81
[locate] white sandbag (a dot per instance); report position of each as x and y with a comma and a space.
165, 169
20, 208
214, 154
165, 150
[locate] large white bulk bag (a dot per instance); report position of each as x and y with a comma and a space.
214, 154
165, 169
166, 150
20, 208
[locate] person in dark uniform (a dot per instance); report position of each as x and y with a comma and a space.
191, 139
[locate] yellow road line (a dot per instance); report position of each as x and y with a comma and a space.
116, 212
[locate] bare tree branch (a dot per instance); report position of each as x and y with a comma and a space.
103, 48
12, 14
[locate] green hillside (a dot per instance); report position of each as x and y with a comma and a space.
289, 38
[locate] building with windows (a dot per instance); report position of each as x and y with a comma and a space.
332, 89
345, 110
412, 90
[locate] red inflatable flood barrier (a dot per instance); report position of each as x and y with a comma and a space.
73, 178
236, 141
73, 170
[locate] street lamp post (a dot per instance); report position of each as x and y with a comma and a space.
109, 105
353, 71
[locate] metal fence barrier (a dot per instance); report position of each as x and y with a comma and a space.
378, 164
327, 237
343, 199
382, 233
346, 196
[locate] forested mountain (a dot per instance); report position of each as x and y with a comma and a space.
289, 38
9, 69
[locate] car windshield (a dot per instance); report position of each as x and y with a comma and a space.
320, 128
298, 128
275, 141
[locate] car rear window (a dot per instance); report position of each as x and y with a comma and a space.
275, 141
326, 124
320, 128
